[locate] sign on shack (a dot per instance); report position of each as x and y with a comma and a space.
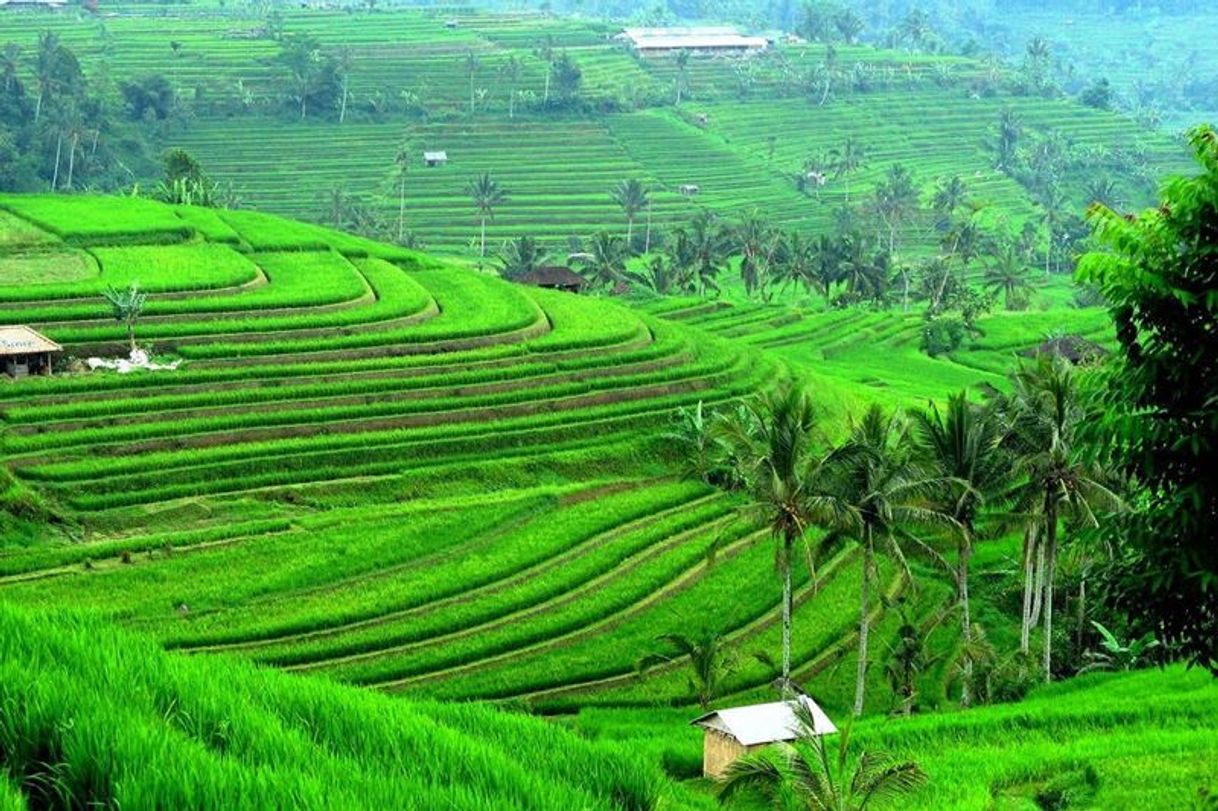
25, 352
731, 733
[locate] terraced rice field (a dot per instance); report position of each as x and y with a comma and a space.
411, 89
394, 472
558, 175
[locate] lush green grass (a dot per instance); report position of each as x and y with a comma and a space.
1146, 736
93, 716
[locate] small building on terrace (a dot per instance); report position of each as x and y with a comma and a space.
731, 733
24, 352
658, 42
437, 158
553, 277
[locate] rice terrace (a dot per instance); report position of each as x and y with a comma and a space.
594, 405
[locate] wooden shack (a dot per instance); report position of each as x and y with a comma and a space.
553, 277
437, 158
25, 352
728, 734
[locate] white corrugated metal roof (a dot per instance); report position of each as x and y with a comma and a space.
18, 340
765, 723
711, 36
435, 156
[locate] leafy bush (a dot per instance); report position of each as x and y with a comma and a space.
943, 335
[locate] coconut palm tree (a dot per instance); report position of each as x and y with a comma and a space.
896, 201
847, 160
520, 257
806, 774
1045, 411
771, 438
1007, 276
711, 661
878, 491
471, 63
949, 195
512, 71
401, 166
10, 61
606, 265
964, 446
487, 195
46, 68
631, 195
757, 241
127, 306
680, 83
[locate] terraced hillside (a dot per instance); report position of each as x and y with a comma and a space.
739, 129
373, 466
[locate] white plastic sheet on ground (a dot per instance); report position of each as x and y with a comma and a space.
138, 361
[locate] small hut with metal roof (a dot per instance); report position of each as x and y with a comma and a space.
26, 352
730, 733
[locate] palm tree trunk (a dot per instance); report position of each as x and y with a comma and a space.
58, 150
647, 240
131, 335
788, 547
342, 111
1038, 588
401, 207
1029, 550
72, 159
629, 232
966, 625
483, 252
1050, 571
38, 105
860, 679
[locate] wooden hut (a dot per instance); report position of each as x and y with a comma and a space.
437, 158
728, 734
26, 352
553, 277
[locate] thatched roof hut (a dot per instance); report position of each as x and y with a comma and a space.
1073, 348
554, 277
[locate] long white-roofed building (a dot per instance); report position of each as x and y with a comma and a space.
654, 42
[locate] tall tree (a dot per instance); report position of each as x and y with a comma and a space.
46, 68
471, 64
401, 168
632, 196
10, 62
878, 492
1057, 481
606, 265
487, 195
710, 662
772, 438
848, 159
512, 71
520, 257
1159, 421
680, 82
964, 445
896, 202
1007, 276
